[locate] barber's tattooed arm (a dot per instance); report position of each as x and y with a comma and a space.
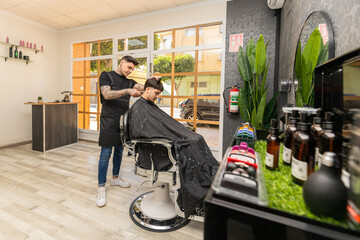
139, 87
113, 94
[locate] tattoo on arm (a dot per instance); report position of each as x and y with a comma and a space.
112, 94
139, 87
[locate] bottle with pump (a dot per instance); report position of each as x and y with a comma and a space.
288, 139
16, 53
315, 133
303, 150
273, 147
328, 140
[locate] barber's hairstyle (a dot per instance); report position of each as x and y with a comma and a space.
128, 58
154, 83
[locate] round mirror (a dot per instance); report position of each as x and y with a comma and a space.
315, 46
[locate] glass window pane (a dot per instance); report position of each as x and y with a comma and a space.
139, 73
78, 50
183, 85
91, 67
185, 37
166, 81
93, 120
80, 100
210, 34
87, 104
91, 49
106, 47
178, 105
91, 86
185, 62
210, 134
163, 40
78, 85
121, 44
138, 42
105, 65
162, 63
93, 104
78, 69
212, 84
87, 121
80, 120
210, 61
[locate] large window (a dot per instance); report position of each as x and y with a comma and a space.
188, 59
89, 60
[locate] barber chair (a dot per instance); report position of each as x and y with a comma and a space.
157, 210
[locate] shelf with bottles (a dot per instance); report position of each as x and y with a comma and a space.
15, 59
21, 47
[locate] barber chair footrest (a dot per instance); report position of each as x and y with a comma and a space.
138, 216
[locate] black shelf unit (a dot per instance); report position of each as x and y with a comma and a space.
228, 217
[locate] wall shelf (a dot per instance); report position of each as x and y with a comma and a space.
20, 47
15, 59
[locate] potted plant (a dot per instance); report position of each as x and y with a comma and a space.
314, 54
40, 99
253, 67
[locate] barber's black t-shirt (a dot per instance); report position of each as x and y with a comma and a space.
115, 107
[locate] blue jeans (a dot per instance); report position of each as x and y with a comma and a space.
105, 155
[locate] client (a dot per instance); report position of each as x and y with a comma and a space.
197, 166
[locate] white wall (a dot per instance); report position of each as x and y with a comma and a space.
22, 83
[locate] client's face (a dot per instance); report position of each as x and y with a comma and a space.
152, 94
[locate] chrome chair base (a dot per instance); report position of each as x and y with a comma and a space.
151, 224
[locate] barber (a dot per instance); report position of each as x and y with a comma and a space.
116, 90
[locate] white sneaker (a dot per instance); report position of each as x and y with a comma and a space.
119, 182
101, 197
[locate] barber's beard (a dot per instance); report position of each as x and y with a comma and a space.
118, 71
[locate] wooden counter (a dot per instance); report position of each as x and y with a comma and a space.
54, 125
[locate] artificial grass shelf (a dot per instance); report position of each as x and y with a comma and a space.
283, 194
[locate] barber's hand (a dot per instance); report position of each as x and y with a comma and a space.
134, 92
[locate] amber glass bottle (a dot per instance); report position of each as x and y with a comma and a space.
273, 146
315, 133
328, 140
303, 150
288, 140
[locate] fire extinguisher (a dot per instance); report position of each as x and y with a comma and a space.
233, 106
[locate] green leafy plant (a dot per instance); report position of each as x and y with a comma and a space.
253, 67
314, 53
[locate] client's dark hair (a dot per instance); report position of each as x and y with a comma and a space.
154, 83
128, 58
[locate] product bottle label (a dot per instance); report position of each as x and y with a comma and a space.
269, 161
316, 155
319, 160
286, 155
299, 169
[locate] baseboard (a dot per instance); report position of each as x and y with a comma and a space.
15, 144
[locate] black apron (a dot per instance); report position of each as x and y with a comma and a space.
112, 109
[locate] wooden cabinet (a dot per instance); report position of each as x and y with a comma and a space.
54, 125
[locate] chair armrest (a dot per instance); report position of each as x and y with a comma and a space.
161, 141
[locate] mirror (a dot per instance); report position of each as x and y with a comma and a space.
315, 46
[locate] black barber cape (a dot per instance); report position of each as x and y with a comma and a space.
197, 166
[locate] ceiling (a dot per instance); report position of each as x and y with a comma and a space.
65, 14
